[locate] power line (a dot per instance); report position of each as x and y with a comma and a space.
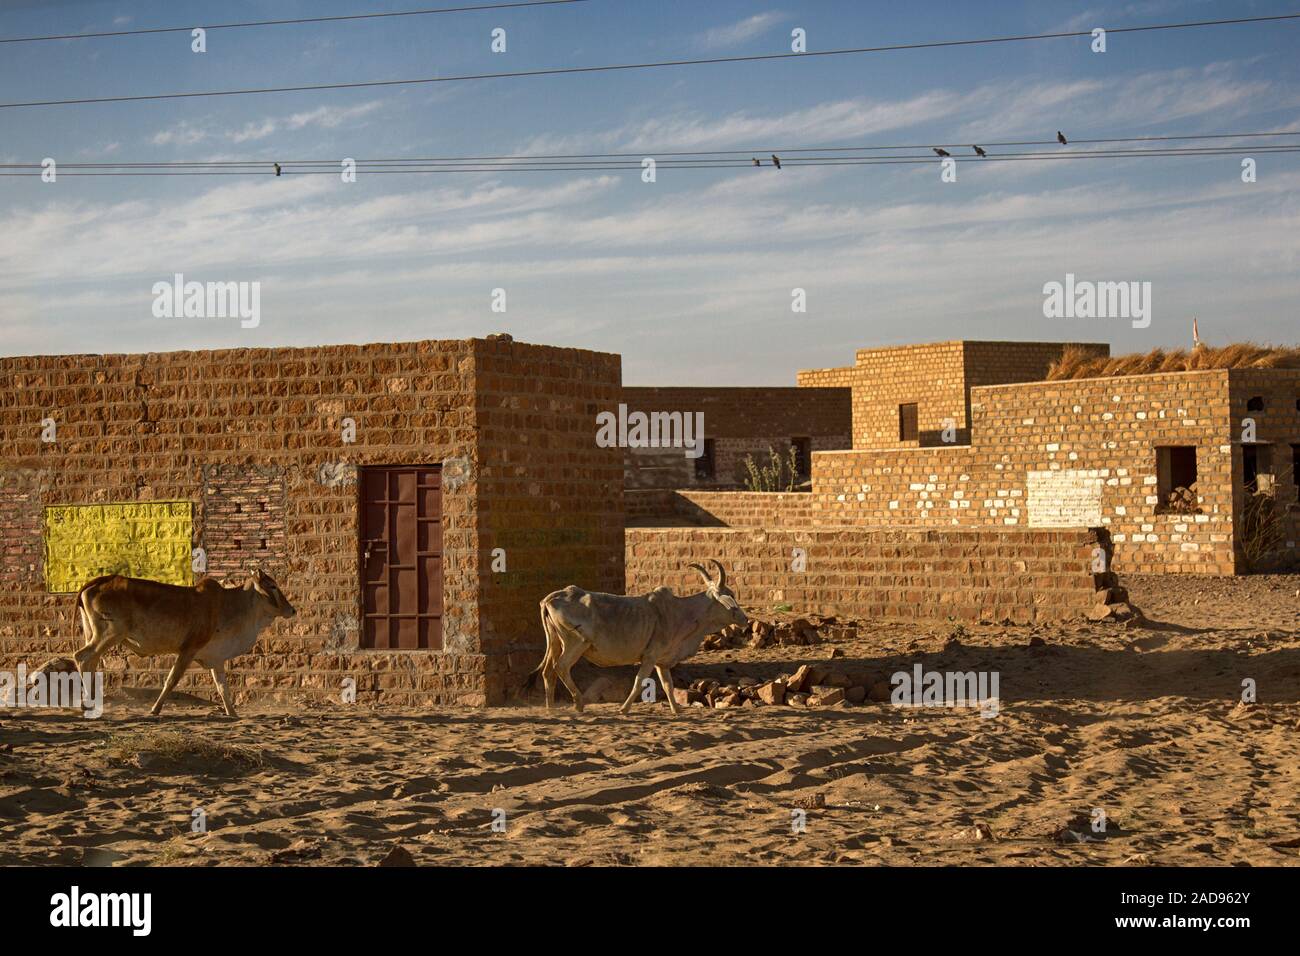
265, 168
764, 151
271, 23
557, 71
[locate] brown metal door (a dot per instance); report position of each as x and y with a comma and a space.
401, 556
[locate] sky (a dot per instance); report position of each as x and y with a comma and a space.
690, 277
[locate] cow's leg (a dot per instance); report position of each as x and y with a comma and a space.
182, 661
553, 650
548, 682
101, 637
219, 678
666, 679
646, 667
572, 653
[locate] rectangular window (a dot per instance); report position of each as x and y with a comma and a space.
907, 423
802, 456
1176, 478
706, 464
1256, 468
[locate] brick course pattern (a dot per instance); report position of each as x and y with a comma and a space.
937, 377
513, 425
731, 509
1041, 452
740, 421
241, 520
22, 556
1023, 576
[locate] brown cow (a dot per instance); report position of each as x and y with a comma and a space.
207, 623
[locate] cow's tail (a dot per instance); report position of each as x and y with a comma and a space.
551, 630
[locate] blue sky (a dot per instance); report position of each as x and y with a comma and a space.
690, 277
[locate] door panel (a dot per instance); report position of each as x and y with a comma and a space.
400, 552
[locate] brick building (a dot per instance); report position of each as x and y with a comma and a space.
1102, 452
375, 482
906, 396
968, 435
417, 500
738, 422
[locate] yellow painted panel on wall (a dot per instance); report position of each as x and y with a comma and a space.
141, 539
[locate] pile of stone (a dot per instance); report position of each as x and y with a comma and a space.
800, 632
1113, 605
812, 685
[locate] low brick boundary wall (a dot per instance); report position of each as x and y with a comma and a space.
732, 509
970, 574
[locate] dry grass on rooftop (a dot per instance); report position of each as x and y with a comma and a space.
1077, 363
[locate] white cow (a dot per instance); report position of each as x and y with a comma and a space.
655, 630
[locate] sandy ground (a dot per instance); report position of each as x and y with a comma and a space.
1139, 720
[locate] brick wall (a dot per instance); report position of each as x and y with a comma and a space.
732, 509
549, 497
937, 378
21, 553
741, 422
1050, 453
1277, 431
967, 574
261, 423
242, 518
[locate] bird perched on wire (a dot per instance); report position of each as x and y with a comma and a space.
776, 161
757, 161
940, 152
979, 152
277, 168
1060, 138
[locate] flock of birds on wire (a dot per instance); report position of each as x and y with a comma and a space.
776, 160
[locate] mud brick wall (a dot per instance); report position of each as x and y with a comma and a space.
740, 421
1022, 576
149, 427
1054, 453
937, 377
550, 498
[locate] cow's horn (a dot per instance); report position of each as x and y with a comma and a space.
708, 581
722, 572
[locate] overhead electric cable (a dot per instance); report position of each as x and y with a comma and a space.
680, 155
557, 71
265, 167
297, 20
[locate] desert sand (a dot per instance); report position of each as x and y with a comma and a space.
1142, 720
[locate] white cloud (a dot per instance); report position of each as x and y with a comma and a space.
608, 262
734, 34
1006, 109
325, 117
